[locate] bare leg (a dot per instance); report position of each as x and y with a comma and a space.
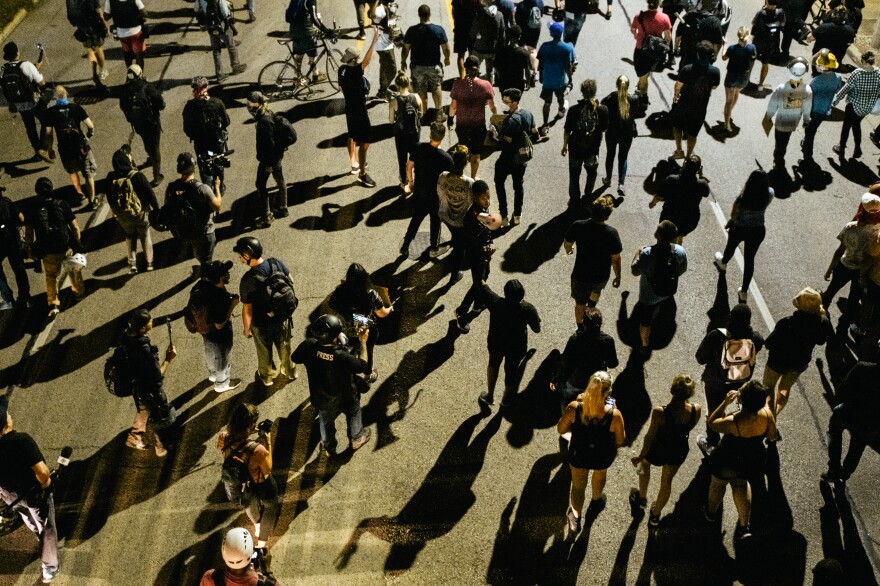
362, 156
691, 143
644, 479
716, 493
665, 489
578, 491
546, 113
424, 97
645, 335
475, 165
599, 478
765, 67
676, 134
74, 180
579, 313
438, 99
642, 86
352, 153
742, 498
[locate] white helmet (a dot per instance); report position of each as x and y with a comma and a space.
237, 548
75, 262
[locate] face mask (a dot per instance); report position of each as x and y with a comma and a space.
253, 111
62, 101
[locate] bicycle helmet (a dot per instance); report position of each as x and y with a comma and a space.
44, 187
237, 548
326, 329
186, 163
74, 262
250, 246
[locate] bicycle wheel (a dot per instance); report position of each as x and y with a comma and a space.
333, 61
278, 79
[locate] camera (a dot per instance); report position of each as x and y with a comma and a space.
361, 323
265, 426
217, 160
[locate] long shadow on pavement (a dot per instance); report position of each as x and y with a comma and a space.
841, 539
537, 244
536, 407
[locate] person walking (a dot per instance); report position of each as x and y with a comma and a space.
131, 199
555, 68
658, 267
470, 97
12, 248
622, 107
215, 17
476, 236
205, 123
740, 58
789, 102
796, 13
527, 15
147, 375
510, 318
357, 301
268, 303
598, 251
576, 15
128, 18
681, 194
487, 37
331, 369
189, 209
514, 66
729, 356
247, 469
357, 119
790, 346
666, 446
862, 91
454, 195
650, 28
209, 313
834, 34
698, 25
91, 31
464, 12
767, 26
237, 552
270, 158
746, 225
404, 114
57, 236
740, 454
518, 126
22, 85
385, 19
25, 476
824, 87
67, 118
587, 351
427, 162
596, 430
422, 45
584, 125
857, 413
142, 103
305, 30
694, 87
361, 10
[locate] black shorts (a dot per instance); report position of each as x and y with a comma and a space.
359, 129
686, 120
767, 51
461, 40
473, 137
645, 314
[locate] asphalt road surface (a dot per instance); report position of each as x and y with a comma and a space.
441, 494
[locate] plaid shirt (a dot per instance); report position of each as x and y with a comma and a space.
862, 90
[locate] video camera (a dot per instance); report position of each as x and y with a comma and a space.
261, 560
361, 323
264, 426
216, 160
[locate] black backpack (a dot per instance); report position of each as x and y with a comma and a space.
407, 118
211, 124
285, 133
209, 18
663, 169
125, 13
71, 141
587, 123
118, 375
655, 47
52, 228
664, 280
136, 106
180, 215
235, 466
16, 87
278, 294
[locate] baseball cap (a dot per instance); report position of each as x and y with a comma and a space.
257, 97
871, 203
215, 269
556, 29
350, 55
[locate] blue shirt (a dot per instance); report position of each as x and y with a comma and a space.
554, 60
824, 88
739, 58
644, 266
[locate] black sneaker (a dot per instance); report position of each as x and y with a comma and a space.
157, 180
741, 532
366, 180
710, 517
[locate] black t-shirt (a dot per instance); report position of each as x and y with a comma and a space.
19, 454
64, 116
596, 243
9, 235
430, 162
681, 202
618, 126
252, 291
512, 63
791, 342
767, 26
509, 322
346, 301
476, 235
698, 79
860, 396
351, 80
217, 301
581, 145
584, 355
835, 37
330, 370
205, 123
425, 41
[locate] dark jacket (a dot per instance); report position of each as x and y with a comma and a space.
157, 102
267, 152
142, 361
487, 30
142, 188
205, 123
791, 342
709, 354
585, 353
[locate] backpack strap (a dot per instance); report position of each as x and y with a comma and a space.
267, 580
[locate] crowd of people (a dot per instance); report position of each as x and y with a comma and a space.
498, 47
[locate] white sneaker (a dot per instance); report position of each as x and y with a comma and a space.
505, 222
48, 575
104, 74
721, 266
743, 295
230, 385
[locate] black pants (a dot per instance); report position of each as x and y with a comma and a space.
29, 119
816, 119
278, 203
152, 138
840, 276
479, 273
16, 263
504, 168
840, 420
791, 31
404, 143
458, 247
575, 165
618, 145
782, 140
752, 238
851, 121
422, 209
512, 358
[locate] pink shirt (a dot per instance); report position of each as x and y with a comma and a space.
250, 579
655, 23
470, 97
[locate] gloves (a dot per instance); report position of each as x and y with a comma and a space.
90, 132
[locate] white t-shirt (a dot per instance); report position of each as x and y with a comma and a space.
32, 74
383, 43
123, 33
858, 241
455, 197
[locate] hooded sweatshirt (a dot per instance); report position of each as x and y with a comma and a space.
487, 30
122, 167
788, 104
711, 348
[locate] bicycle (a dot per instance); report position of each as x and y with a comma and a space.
281, 80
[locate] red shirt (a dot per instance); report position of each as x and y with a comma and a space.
470, 97
655, 23
249, 579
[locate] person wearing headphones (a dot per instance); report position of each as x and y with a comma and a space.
237, 570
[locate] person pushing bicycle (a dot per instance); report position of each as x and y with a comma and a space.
305, 30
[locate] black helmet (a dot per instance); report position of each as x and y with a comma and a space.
326, 328
250, 246
43, 187
186, 163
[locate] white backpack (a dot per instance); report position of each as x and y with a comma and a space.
738, 358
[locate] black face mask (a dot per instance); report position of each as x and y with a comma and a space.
253, 111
